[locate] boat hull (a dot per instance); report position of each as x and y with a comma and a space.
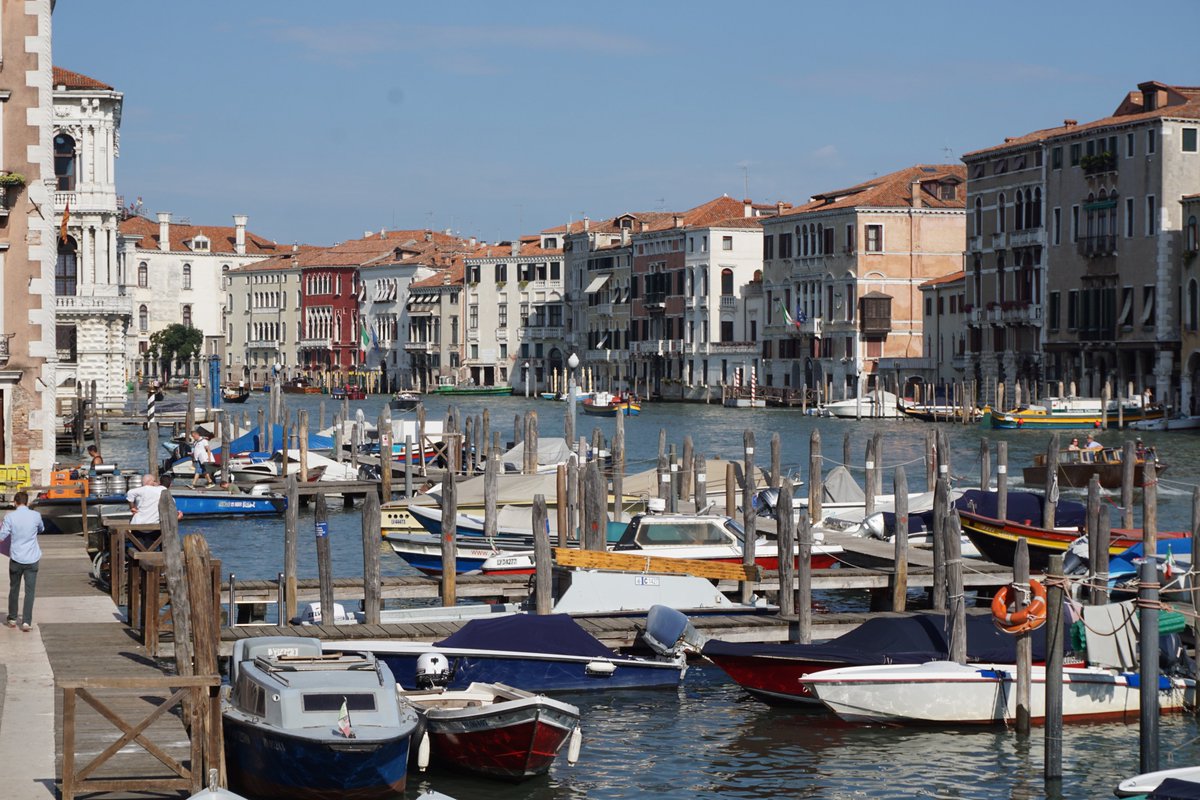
221, 504
1078, 475
64, 515
508, 740
475, 391
404, 402
424, 553
946, 693
270, 763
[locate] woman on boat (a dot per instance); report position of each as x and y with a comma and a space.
1074, 445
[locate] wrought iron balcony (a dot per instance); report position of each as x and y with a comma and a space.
1097, 246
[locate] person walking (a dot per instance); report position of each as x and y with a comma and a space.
21, 527
202, 459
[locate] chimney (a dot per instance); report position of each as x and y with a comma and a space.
915, 188
676, 221
429, 236
383, 233
516, 247
164, 231
779, 207
747, 208
644, 225
472, 240
624, 236
239, 234
587, 224
1070, 123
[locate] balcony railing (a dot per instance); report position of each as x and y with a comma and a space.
263, 344
660, 347
1097, 246
419, 347
974, 244
1028, 238
316, 344
654, 299
94, 305
729, 348
999, 241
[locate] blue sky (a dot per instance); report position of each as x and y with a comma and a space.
323, 120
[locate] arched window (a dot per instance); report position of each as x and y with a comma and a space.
1192, 235
143, 275
187, 276
803, 234
66, 269
979, 216
143, 319
64, 162
1000, 213
726, 282
187, 316
1037, 209
819, 242
1018, 211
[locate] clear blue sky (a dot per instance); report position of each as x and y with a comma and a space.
321, 120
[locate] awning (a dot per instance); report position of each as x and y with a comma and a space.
596, 284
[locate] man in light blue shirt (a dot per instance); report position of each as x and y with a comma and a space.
22, 525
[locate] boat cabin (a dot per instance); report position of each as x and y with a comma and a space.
680, 530
287, 682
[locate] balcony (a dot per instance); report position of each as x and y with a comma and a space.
601, 309
1029, 238
728, 302
1020, 311
419, 347
543, 332
999, 241
809, 327
657, 347
1098, 164
655, 300
974, 244
316, 344
689, 302
263, 344
89, 305
730, 348
1097, 246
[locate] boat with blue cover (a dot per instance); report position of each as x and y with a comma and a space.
537, 653
300, 723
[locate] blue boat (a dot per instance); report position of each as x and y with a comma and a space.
423, 551
220, 503
302, 724
537, 653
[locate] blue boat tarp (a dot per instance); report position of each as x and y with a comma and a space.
1125, 565
1024, 508
1176, 789
253, 441
555, 634
896, 640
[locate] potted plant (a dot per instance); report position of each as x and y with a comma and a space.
14, 179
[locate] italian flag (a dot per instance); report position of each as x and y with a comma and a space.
786, 316
364, 337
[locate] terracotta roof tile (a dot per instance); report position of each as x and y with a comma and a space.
221, 237
951, 278
73, 80
891, 191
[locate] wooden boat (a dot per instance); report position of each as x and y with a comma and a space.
1053, 413
348, 392
447, 387
404, 401
304, 724
488, 728
299, 386
603, 404
997, 539
947, 693
935, 412
775, 673
537, 653
873, 405
235, 394
1076, 467
423, 551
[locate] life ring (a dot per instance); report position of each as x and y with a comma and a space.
1029, 618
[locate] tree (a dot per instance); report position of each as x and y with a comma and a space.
175, 344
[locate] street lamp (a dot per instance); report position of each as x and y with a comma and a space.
572, 363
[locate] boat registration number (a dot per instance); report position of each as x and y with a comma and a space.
645, 580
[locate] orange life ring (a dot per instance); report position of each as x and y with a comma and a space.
1029, 618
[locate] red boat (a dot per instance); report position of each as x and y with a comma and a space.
493, 730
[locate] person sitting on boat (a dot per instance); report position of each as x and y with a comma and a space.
1140, 448
1074, 445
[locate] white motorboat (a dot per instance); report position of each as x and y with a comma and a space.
1173, 424
1147, 782
873, 405
947, 693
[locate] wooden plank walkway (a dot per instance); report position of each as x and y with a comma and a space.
77, 633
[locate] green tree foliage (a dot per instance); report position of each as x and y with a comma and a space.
175, 345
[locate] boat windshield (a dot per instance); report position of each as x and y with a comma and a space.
333, 702
681, 533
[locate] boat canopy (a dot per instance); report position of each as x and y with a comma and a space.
839, 486
1023, 507
518, 489
551, 451
646, 483
896, 640
556, 634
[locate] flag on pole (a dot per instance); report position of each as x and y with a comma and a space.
787, 318
364, 335
1169, 567
62, 229
344, 721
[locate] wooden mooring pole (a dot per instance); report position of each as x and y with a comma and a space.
1024, 640
372, 588
749, 518
324, 559
1052, 769
787, 545
899, 582
449, 586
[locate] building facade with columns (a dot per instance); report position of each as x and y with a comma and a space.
94, 310
28, 355
177, 272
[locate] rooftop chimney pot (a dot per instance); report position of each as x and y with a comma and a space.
164, 231
239, 234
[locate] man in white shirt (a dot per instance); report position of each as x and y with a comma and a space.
202, 459
143, 501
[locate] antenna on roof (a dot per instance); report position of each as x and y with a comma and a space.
662, 204
949, 153
745, 179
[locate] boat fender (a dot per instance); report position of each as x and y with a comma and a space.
600, 668
1029, 618
423, 752
573, 745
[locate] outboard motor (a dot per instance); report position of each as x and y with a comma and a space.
656, 505
433, 671
764, 502
875, 527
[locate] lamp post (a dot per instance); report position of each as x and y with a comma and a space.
526, 378
572, 363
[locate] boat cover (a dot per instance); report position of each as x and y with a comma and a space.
898, 640
646, 483
510, 489
551, 450
1023, 507
1176, 789
528, 633
252, 442
839, 486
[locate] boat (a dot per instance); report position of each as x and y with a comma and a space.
775, 673
488, 729
446, 386
217, 502
1147, 782
1076, 467
235, 394
348, 392
603, 404
1183, 423
537, 653
404, 401
996, 539
1052, 413
423, 552
948, 693
300, 723
299, 386
875, 405
935, 412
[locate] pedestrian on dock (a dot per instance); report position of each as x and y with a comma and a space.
21, 528
143, 501
202, 459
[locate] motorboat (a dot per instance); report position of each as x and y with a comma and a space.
302, 723
489, 729
604, 404
1147, 782
1076, 467
775, 673
871, 405
447, 386
1182, 423
404, 401
348, 392
299, 385
1051, 413
423, 552
537, 653
948, 693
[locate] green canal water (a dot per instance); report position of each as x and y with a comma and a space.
709, 739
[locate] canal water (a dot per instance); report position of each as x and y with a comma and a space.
709, 739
